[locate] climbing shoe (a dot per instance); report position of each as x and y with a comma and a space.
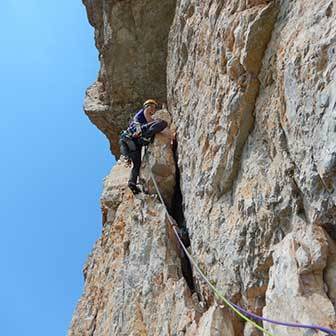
134, 188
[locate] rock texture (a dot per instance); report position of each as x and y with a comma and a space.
131, 37
159, 159
251, 91
297, 290
133, 279
253, 122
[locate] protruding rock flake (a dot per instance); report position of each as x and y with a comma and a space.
250, 184
159, 159
131, 37
297, 290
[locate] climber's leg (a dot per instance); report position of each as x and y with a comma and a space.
135, 156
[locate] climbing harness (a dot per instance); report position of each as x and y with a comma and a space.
132, 134
237, 309
126, 137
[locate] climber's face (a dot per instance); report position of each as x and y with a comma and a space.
151, 109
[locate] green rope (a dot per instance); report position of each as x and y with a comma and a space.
214, 289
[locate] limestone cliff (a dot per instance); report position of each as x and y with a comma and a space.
251, 91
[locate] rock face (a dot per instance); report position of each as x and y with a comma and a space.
134, 284
131, 37
297, 279
251, 91
159, 160
255, 123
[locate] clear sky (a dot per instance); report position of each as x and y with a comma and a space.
52, 164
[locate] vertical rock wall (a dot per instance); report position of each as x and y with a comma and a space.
250, 86
251, 91
133, 278
131, 37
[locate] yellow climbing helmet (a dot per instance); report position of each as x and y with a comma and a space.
149, 102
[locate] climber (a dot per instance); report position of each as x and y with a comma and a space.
140, 133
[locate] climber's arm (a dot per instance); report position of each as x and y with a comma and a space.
148, 115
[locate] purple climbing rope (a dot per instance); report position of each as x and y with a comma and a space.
286, 324
240, 309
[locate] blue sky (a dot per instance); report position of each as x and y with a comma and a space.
53, 161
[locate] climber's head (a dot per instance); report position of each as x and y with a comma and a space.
151, 105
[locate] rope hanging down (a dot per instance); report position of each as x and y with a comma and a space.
237, 309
